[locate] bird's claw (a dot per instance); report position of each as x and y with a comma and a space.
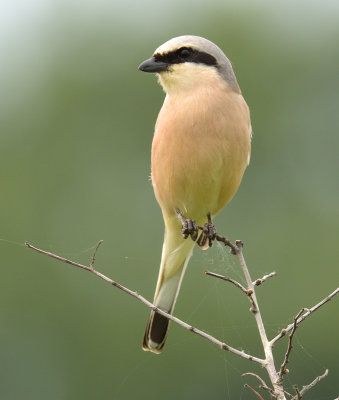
189, 228
208, 233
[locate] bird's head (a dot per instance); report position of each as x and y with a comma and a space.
187, 62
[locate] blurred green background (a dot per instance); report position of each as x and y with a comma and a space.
76, 120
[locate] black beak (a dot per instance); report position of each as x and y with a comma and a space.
152, 65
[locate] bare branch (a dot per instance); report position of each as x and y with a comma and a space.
47, 253
252, 296
143, 300
308, 312
226, 278
277, 391
94, 254
258, 282
283, 369
226, 242
298, 395
306, 388
270, 367
254, 391
262, 382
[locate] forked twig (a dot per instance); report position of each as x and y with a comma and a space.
277, 392
283, 369
306, 388
263, 384
143, 300
304, 316
257, 282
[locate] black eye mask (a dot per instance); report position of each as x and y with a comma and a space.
186, 54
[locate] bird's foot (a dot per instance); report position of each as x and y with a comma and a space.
188, 228
208, 234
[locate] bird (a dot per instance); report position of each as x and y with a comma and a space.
200, 150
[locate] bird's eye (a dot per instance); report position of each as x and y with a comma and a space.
185, 53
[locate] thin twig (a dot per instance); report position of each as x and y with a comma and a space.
258, 282
228, 279
262, 382
298, 395
143, 300
254, 391
94, 254
248, 292
226, 242
283, 369
270, 367
304, 316
306, 388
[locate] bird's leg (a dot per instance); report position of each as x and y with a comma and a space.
189, 227
208, 233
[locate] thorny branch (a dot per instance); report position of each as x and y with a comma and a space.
276, 392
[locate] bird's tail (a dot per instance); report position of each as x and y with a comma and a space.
176, 253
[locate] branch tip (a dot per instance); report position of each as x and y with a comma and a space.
228, 279
239, 244
91, 265
260, 281
254, 391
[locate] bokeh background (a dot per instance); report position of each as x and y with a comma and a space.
76, 121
